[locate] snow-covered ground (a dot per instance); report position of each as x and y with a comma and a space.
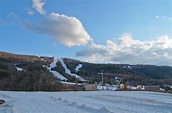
86, 102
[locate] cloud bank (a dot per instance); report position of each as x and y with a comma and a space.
127, 50
38, 6
63, 29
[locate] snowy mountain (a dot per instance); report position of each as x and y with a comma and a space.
28, 72
32, 73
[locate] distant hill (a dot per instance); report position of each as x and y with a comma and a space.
29, 73
35, 73
137, 74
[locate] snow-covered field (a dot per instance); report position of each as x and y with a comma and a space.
86, 102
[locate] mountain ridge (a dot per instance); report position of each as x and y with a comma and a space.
16, 66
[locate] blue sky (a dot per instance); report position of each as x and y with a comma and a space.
115, 31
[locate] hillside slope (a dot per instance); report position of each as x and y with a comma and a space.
25, 72
137, 74
29, 73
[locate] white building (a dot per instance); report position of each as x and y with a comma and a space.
107, 87
138, 87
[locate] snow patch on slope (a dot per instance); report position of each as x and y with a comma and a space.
19, 69
69, 83
127, 67
78, 67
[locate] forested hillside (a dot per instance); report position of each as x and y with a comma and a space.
32, 73
137, 74
28, 73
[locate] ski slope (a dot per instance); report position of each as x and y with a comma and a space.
58, 75
55, 73
78, 67
86, 102
69, 72
61, 77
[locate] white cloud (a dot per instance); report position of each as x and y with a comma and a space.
38, 5
63, 29
164, 18
30, 12
157, 16
127, 50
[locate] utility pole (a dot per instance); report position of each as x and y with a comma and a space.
102, 76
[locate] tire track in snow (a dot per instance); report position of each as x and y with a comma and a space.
133, 103
7, 110
84, 107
